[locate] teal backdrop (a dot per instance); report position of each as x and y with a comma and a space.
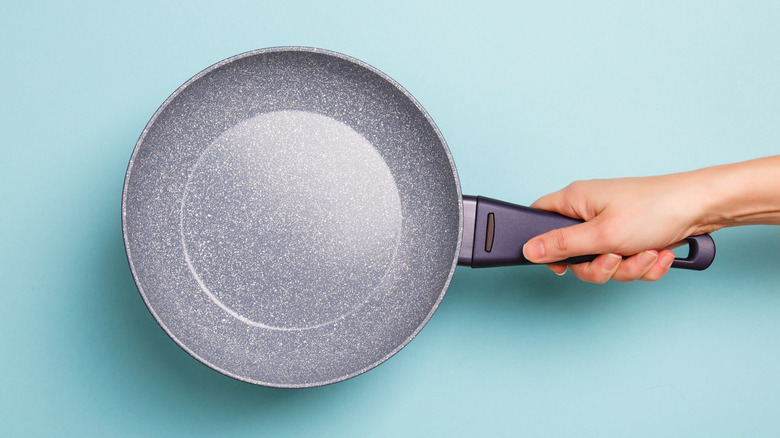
530, 96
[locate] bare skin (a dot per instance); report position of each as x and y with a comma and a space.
644, 217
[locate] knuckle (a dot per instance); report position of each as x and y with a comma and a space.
570, 192
627, 273
598, 278
560, 240
652, 275
589, 273
576, 186
580, 187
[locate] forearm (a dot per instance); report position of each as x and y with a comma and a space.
746, 193
640, 217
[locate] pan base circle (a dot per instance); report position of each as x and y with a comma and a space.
281, 229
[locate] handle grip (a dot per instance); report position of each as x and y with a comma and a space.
501, 229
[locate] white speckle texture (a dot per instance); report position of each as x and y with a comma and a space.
291, 217
281, 228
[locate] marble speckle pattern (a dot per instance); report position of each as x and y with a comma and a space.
292, 217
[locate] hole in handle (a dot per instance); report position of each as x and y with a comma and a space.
681, 250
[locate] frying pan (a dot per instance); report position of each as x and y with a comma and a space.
292, 218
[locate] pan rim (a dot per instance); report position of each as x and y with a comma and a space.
186, 85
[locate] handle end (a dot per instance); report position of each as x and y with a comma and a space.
701, 255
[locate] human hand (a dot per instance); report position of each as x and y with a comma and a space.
636, 217
642, 217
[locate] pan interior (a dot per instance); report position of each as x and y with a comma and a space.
291, 217
302, 235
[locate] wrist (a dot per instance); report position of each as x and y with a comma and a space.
738, 194
702, 211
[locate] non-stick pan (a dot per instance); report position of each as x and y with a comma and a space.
292, 217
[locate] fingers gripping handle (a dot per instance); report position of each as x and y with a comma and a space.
501, 229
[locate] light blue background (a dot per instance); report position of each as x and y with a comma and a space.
529, 95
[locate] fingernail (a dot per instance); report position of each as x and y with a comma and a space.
647, 258
534, 249
612, 261
561, 274
667, 260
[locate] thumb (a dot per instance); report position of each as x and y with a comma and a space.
560, 244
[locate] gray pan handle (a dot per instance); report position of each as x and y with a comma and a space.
501, 229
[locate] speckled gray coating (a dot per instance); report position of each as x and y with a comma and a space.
292, 217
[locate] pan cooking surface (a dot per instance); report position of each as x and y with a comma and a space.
291, 217
274, 200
